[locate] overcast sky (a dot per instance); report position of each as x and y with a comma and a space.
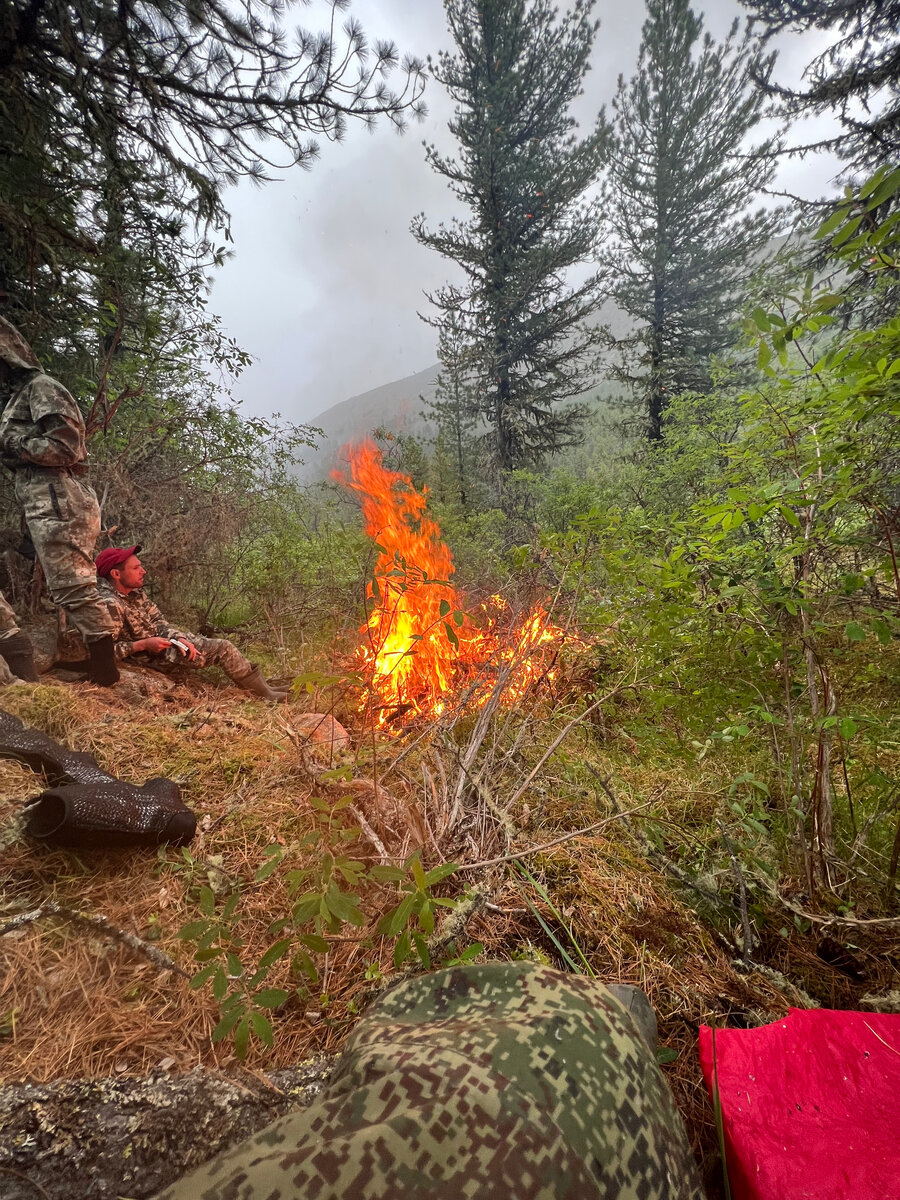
326, 280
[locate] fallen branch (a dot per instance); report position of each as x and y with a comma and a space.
97, 924
99, 1138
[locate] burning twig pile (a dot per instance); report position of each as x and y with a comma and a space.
421, 639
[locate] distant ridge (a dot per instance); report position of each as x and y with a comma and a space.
397, 406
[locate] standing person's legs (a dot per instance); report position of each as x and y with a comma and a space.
63, 518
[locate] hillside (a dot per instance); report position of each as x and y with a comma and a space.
398, 406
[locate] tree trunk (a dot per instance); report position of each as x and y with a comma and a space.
130, 1137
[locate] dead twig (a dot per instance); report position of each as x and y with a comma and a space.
560, 737
565, 837
749, 940
99, 925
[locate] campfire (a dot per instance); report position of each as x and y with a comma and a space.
423, 641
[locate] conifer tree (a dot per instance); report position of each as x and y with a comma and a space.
681, 182
857, 78
522, 171
453, 410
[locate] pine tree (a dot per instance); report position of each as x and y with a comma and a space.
857, 78
121, 123
680, 185
453, 409
523, 172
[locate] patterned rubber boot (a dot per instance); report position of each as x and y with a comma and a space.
103, 670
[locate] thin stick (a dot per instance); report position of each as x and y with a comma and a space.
31, 1183
99, 925
558, 740
742, 894
566, 837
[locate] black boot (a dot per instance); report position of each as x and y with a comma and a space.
19, 655
103, 670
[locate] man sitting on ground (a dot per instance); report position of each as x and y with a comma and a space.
141, 629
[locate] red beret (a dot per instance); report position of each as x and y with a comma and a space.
108, 560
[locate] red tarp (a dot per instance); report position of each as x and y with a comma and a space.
810, 1105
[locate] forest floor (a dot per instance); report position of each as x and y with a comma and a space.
75, 1003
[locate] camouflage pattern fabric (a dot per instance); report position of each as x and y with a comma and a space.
8, 622
40, 421
63, 519
42, 440
135, 616
475, 1083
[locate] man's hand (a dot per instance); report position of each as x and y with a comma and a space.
150, 645
181, 643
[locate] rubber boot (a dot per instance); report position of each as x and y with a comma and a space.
102, 670
18, 652
639, 1008
257, 686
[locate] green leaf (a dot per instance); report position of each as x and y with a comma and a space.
831, 223
313, 942
275, 951
451, 636
847, 727
343, 905
386, 874
426, 917
666, 1054
226, 1024
761, 320
418, 874
207, 901
401, 950
242, 1037
267, 869
198, 980
270, 997
220, 985
854, 632
789, 515
392, 922
422, 951
437, 874
887, 188
262, 1027
445, 607
194, 930
303, 963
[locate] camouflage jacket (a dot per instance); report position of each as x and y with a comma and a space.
135, 616
41, 424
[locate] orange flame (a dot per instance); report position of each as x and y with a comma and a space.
417, 640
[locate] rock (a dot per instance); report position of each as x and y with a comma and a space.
322, 730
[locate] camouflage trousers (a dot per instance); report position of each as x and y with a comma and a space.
212, 652
63, 519
9, 623
475, 1083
